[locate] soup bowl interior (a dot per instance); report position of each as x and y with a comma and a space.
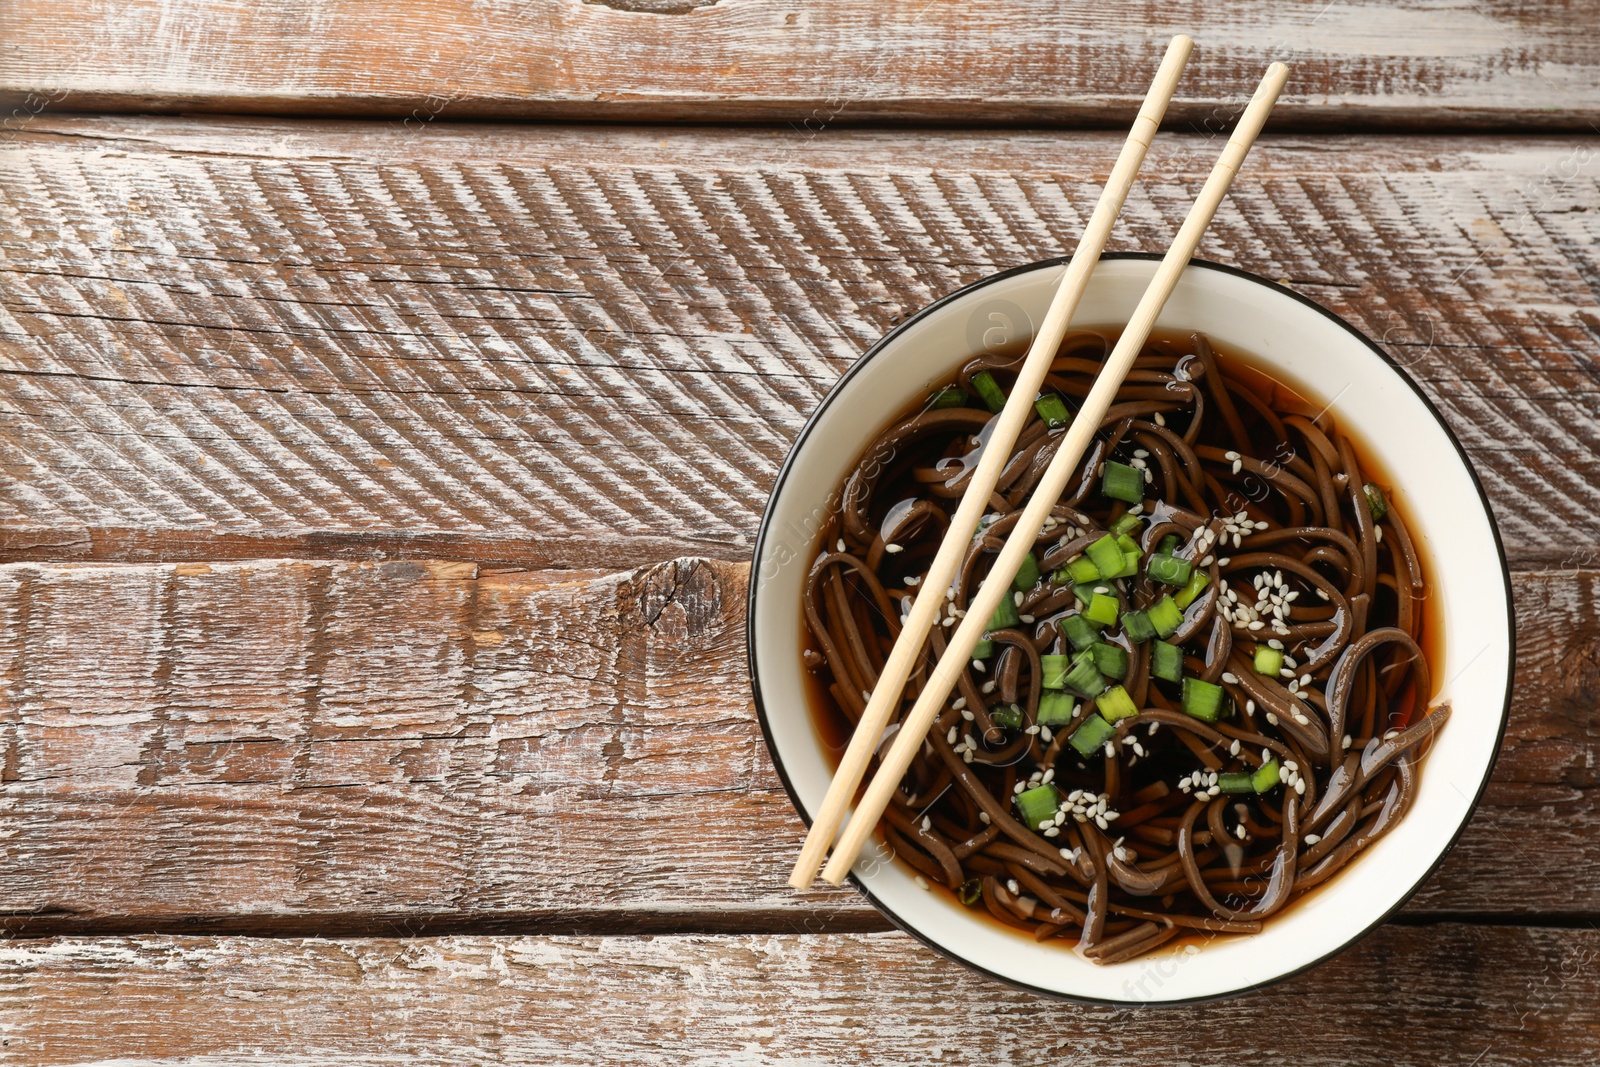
1327, 361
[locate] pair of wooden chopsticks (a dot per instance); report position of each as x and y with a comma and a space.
930, 597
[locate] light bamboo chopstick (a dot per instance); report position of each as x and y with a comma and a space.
1046, 494
975, 501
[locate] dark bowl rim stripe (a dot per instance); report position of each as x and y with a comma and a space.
1223, 268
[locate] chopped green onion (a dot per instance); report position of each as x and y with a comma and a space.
1110, 660
1266, 776
1053, 671
983, 649
1091, 736
1127, 524
1166, 661
1115, 703
1236, 782
1169, 545
1202, 699
1053, 410
1084, 677
948, 397
1079, 631
1377, 503
1106, 555
1056, 708
1027, 574
1269, 661
1136, 624
1122, 482
1170, 570
989, 391
971, 891
1130, 557
1086, 591
1083, 570
1196, 586
1101, 609
1006, 716
1062, 576
1005, 614
1038, 804
1165, 616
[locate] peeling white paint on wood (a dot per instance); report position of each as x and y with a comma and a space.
270, 744
1508, 995
1419, 64
579, 343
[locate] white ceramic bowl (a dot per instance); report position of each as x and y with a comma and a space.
1329, 361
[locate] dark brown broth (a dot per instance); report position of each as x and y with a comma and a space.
833, 729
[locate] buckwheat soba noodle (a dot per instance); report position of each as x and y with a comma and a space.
1209, 690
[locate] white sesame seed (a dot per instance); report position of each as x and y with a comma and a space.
958, 703
1230, 677
1273, 642
1049, 775
1377, 534
1016, 598
950, 738
927, 823
1046, 735
1299, 787
1238, 463
910, 582
840, 546
1233, 749
1271, 718
1011, 884
968, 715
983, 817
892, 548
1254, 625
1239, 831
988, 687
1346, 741
1159, 420
922, 883
1026, 618
1224, 561
978, 666
1066, 853
1053, 831
1312, 839
966, 757
1018, 788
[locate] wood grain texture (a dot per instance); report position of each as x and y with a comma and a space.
592, 346
312, 747
1413, 64
1438, 995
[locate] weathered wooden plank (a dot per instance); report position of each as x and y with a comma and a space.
1440, 994
302, 747
1411, 64
592, 346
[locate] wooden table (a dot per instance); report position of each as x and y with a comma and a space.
377, 491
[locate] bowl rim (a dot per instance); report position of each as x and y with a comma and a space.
889, 338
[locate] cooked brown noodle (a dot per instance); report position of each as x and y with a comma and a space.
1142, 843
